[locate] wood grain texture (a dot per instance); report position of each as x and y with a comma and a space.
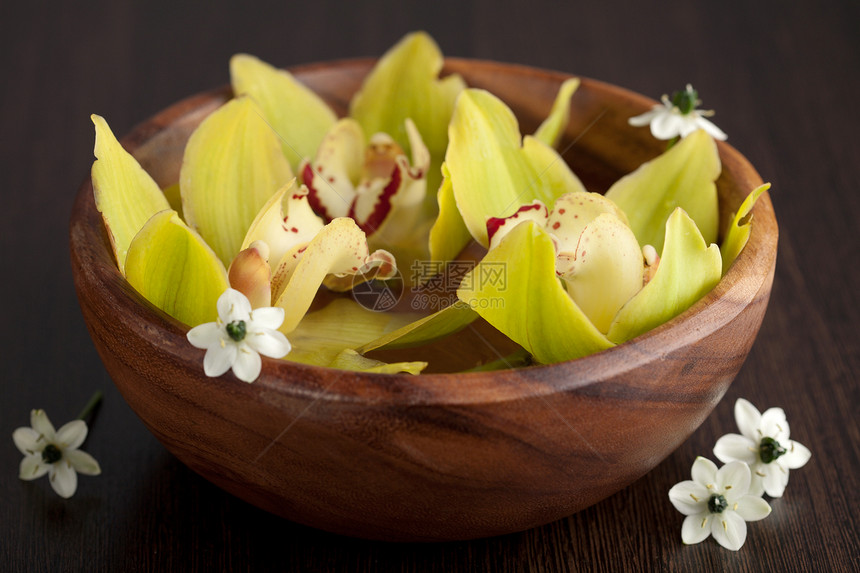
781, 77
437, 457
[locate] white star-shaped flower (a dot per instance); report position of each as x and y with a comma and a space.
716, 502
763, 444
55, 453
239, 336
677, 117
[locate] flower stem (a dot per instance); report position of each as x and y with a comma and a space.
91, 405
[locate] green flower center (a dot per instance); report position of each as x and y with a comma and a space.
685, 100
51, 454
769, 450
717, 503
236, 330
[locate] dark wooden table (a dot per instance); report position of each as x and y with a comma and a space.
784, 78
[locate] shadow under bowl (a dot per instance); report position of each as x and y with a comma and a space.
439, 456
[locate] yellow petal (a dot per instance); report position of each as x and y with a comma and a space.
553, 126
683, 177
514, 288
349, 359
449, 234
739, 232
174, 269
492, 174
249, 273
425, 330
298, 116
125, 194
232, 165
605, 270
571, 214
688, 270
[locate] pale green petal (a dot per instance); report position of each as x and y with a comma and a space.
492, 171
297, 115
339, 248
125, 194
351, 360
605, 271
688, 270
449, 235
739, 229
232, 165
514, 289
553, 126
323, 334
174, 269
426, 330
83, 463
405, 84
682, 177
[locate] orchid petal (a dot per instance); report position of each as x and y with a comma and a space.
250, 274
682, 177
125, 194
605, 270
498, 228
232, 165
740, 228
729, 529
570, 215
336, 170
449, 234
349, 359
174, 269
339, 248
553, 126
296, 114
688, 269
492, 173
438, 325
513, 288
83, 463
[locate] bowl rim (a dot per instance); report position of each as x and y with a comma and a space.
751, 272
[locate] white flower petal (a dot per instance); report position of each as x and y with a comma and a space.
83, 463
796, 455
72, 435
756, 481
206, 335
735, 447
775, 479
647, 117
712, 129
729, 529
27, 441
752, 508
269, 342
247, 365
689, 497
696, 528
63, 479
733, 480
773, 424
39, 421
748, 418
218, 359
268, 317
704, 471
666, 125
688, 125
233, 305
32, 467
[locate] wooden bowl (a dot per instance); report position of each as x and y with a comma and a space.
439, 456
